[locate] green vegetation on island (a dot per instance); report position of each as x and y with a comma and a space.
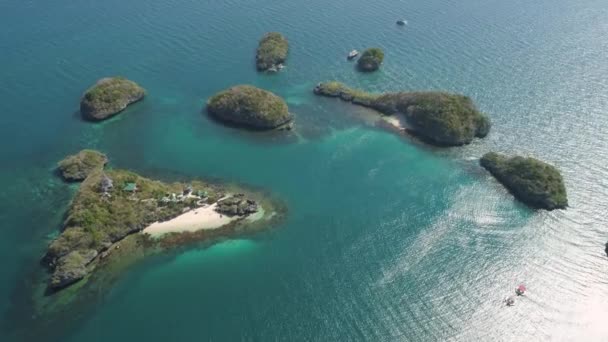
440, 118
250, 107
534, 182
111, 205
77, 167
370, 60
272, 51
108, 97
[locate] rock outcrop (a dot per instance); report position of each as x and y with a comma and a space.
71, 268
535, 183
108, 97
272, 51
237, 205
370, 60
439, 118
77, 167
249, 107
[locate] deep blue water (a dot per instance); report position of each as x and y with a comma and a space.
385, 239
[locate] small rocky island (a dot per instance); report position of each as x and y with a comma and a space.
250, 107
536, 183
114, 204
370, 60
77, 167
108, 97
272, 51
439, 118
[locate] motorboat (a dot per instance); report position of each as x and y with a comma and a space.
353, 54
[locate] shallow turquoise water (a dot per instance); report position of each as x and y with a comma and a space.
385, 239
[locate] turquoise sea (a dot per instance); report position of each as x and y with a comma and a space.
385, 239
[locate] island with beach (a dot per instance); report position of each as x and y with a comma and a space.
438, 118
113, 207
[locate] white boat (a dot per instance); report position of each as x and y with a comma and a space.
353, 54
401, 22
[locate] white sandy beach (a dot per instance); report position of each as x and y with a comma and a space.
193, 220
395, 120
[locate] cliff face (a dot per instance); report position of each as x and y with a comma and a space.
272, 51
440, 118
536, 183
250, 107
108, 97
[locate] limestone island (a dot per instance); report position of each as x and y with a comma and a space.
250, 107
536, 183
77, 167
113, 208
370, 60
272, 52
439, 118
108, 97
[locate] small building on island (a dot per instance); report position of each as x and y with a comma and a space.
130, 187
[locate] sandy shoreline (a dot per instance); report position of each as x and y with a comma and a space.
395, 120
193, 220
